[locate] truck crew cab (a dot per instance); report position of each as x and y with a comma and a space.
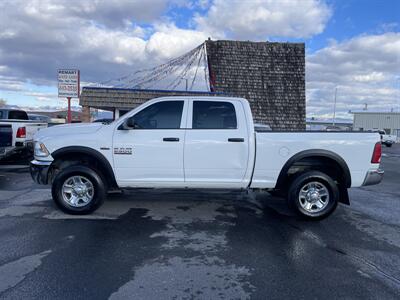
202, 142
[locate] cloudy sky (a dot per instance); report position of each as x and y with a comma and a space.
353, 45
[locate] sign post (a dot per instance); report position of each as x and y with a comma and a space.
69, 117
69, 87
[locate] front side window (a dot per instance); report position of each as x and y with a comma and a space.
214, 115
161, 115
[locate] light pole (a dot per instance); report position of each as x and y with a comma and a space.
334, 108
398, 93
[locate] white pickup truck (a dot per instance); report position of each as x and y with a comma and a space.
202, 142
16, 131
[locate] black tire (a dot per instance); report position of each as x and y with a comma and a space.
323, 181
99, 190
388, 145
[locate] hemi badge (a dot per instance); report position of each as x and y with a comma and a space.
127, 151
104, 148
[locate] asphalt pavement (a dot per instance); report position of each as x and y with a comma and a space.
193, 244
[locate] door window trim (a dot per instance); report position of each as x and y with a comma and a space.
135, 111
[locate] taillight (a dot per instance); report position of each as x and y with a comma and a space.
21, 132
376, 156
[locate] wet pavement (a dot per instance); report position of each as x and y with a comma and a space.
170, 244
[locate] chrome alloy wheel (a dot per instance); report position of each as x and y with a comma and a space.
77, 191
314, 197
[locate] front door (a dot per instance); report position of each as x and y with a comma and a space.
152, 152
216, 144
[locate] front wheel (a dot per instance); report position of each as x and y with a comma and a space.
313, 195
78, 190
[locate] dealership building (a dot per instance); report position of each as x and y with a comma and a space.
387, 121
270, 75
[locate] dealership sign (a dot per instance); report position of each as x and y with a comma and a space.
68, 83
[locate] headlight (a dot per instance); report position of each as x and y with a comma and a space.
40, 150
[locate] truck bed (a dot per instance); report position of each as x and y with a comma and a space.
274, 149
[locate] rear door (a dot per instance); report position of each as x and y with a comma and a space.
216, 144
152, 154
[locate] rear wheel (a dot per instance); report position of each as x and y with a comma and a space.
313, 195
78, 190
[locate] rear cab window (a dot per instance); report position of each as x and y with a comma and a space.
17, 115
213, 115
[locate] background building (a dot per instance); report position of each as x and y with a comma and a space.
270, 75
120, 101
388, 121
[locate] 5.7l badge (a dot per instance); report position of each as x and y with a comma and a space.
122, 150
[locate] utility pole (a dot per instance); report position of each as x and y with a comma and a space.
334, 108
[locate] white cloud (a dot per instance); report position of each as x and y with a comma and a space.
371, 77
10, 83
102, 38
260, 19
110, 13
169, 41
365, 69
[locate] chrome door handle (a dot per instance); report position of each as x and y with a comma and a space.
236, 140
170, 139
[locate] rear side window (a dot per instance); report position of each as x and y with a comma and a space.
161, 115
17, 115
1, 114
214, 115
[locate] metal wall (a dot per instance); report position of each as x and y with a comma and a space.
370, 120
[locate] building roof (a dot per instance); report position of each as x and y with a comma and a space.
366, 112
110, 98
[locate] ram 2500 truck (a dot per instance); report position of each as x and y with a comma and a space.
202, 142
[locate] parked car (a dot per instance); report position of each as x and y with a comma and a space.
41, 118
202, 142
104, 121
15, 123
333, 128
261, 127
387, 139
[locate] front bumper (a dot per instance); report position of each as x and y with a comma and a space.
40, 171
373, 177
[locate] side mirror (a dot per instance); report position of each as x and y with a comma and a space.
128, 124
